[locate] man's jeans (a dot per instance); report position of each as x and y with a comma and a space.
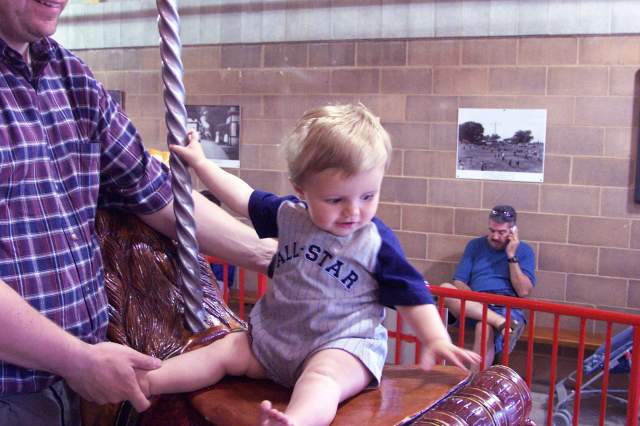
57, 405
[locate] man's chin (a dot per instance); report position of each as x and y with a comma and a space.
497, 246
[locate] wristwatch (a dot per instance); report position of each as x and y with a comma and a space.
513, 259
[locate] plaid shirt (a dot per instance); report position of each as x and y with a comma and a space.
64, 145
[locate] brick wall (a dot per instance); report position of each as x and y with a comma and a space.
582, 222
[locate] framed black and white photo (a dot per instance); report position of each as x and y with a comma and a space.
118, 96
501, 144
219, 128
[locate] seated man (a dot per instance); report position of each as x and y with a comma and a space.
501, 264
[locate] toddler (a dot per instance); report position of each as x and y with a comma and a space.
318, 328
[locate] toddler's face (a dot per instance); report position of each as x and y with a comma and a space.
342, 204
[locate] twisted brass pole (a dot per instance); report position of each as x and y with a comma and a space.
176, 117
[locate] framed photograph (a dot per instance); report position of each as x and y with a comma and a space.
219, 128
501, 144
118, 96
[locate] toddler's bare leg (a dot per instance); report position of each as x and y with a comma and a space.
328, 378
205, 366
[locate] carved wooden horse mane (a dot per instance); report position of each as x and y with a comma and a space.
146, 308
141, 277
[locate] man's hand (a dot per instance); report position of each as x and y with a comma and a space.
514, 242
445, 349
142, 376
105, 373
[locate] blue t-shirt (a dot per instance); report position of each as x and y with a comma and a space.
486, 269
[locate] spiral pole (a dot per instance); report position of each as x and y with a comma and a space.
176, 118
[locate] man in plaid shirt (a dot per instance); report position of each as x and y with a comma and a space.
65, 148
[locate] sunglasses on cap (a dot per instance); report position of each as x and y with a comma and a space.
505, 213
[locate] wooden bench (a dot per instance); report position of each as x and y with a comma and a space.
544, 335
569, 338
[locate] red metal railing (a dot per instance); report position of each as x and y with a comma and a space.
558, 310
533, 306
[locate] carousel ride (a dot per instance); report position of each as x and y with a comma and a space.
163, 301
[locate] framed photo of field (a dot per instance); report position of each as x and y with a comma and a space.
219, 128
501, 144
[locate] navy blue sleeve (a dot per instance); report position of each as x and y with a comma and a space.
263, 212
400, 283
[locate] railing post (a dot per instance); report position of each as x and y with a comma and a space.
225, 280
632, 414
605, 376
532, 325
576, 405
507, 336
241, 291
554, 367
462, 321
483, 337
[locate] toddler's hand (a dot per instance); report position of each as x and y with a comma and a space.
192, 154
448, 351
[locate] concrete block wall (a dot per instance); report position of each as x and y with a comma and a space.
582, 221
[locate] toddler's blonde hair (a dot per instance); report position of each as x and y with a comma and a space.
348, 138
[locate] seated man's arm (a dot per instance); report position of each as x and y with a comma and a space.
519, 280
520, 271
461, 285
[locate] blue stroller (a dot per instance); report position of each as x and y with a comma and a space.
593, 369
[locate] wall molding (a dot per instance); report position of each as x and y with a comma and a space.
133, 23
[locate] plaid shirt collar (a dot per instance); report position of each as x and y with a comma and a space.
41, 51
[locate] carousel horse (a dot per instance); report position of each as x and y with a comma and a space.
146, 312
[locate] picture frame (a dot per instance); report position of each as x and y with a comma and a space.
501, 144
219, 128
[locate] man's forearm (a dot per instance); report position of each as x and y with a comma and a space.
219, 234
225, 237
31, 340
519, 280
